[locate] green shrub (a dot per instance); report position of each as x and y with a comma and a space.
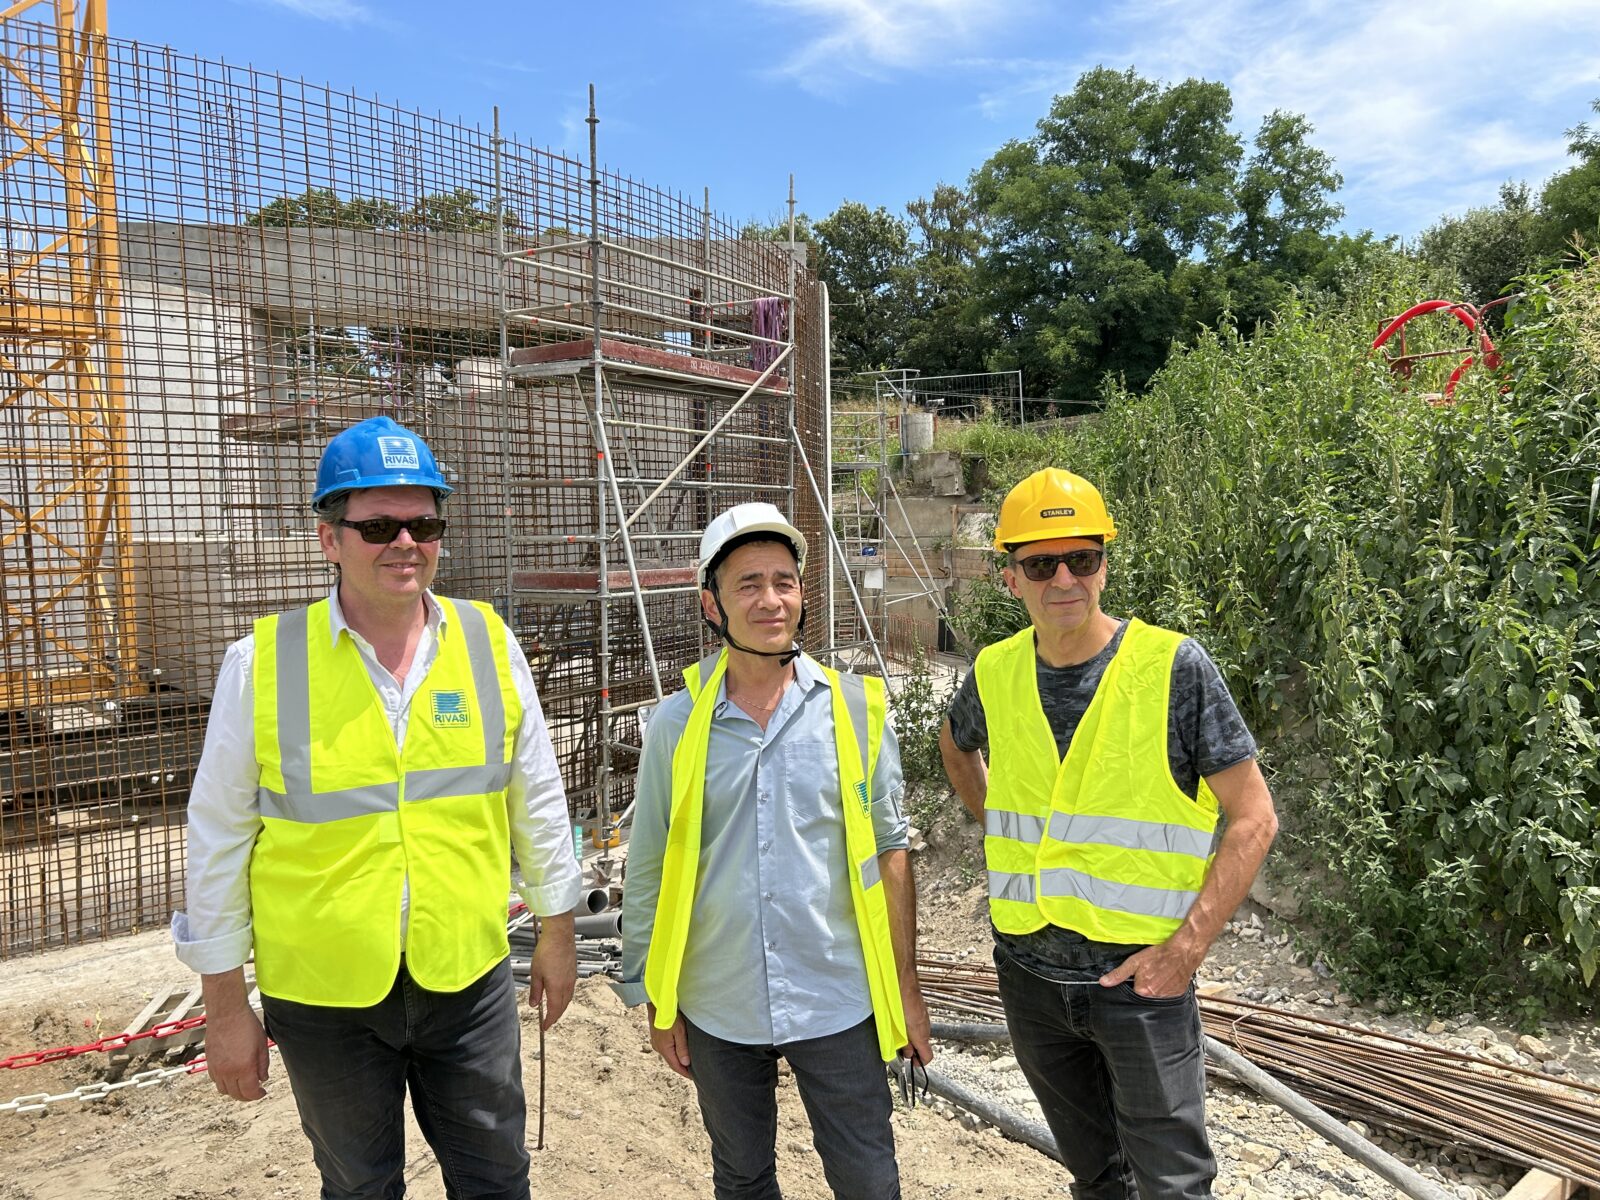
1406, 603
917, 706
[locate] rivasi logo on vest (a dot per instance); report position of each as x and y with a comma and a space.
450, 708
1047, 513
861, 795
399, 454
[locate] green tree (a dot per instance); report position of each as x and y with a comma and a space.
1571, 200
1487, 248
862, 255
1089, 221
459, 211
1285, 203
945, 333
322, 207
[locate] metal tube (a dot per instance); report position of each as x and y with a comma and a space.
531, 251
597, 417
833, 540
497, 150
732, 437
622, 285
653, 314
827, 432
760, 292
783, 356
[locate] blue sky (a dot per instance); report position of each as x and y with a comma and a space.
1426, 107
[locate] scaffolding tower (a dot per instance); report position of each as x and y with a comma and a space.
676, 374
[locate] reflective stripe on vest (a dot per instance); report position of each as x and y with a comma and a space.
349, 819
860, 711
1105, 842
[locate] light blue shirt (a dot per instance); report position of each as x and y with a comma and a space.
773, 954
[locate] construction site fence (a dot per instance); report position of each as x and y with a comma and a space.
207, 271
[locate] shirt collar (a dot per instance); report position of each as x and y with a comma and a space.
807, 673
436, 615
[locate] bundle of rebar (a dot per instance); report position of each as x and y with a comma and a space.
1447, 1098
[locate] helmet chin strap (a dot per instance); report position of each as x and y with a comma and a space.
720, 628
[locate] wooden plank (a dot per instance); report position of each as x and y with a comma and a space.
1541, 1185
159, 1000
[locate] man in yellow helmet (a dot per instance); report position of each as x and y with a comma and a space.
768, 910
1113, 746
370, 763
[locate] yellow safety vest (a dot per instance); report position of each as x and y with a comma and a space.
347, 818
860, 709
1105, 843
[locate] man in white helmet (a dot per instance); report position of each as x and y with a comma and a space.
769, 910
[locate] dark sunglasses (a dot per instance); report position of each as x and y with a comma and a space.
1082, 563
380, 531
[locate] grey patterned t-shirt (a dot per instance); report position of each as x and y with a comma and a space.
1205, 734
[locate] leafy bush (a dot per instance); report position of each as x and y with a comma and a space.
917, 706
1406, 603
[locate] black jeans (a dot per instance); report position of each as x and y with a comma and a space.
1120, 1077
845, 1090
459, 1053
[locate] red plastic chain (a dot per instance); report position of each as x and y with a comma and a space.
115, 1041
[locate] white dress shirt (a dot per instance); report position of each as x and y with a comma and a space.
214, 934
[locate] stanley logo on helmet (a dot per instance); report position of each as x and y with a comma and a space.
1046, 514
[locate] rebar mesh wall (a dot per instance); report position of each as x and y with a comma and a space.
291, 260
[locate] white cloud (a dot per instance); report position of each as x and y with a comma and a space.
337, 12
870, 38
1425, 108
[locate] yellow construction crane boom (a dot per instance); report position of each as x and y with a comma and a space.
65, 580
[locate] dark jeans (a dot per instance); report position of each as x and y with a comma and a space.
846, 1093
1120, 1077
459, 1053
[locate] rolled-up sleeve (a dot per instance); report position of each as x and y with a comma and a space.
888, 785
536, 807
213, 934
647, 844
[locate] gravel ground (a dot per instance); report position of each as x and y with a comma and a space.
1262, 1151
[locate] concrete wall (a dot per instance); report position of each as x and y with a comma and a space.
423, 277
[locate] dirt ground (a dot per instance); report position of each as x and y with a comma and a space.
618, 1122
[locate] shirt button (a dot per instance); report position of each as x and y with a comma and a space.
767, 896
765, 847
772, 945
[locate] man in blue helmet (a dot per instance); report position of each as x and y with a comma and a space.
769, 910
370, 763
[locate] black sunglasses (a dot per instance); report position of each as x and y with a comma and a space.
1082, 563
380, 531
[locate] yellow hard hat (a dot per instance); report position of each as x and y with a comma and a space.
1052, 503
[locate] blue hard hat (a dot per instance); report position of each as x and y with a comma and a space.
376, 453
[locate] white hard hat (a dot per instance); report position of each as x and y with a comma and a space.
740, 521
